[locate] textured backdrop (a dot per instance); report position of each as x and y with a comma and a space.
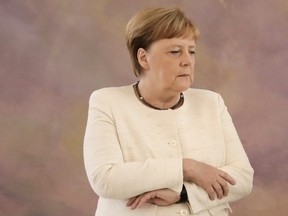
53, 54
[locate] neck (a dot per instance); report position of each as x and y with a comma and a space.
157, 98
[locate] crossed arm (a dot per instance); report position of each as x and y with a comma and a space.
214, 181
104, 162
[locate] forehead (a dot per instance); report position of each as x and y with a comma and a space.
172, 42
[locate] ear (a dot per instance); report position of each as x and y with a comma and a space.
142, 57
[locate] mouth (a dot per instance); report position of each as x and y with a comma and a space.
184, 75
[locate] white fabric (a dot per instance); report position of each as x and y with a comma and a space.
130, 149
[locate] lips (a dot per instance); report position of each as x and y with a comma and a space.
183, 75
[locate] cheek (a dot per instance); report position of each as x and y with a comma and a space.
193, 63
165, 70
165, 76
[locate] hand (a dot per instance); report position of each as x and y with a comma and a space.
211, 179
161, 197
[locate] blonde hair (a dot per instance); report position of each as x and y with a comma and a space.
153, 24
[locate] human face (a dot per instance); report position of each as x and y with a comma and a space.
171, 63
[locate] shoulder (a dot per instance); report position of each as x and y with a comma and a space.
201, 94
203, 97
112, 92
112, 97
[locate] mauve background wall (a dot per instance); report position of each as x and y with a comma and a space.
53, 54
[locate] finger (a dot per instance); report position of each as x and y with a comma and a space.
130, 201
136, 202
228, 178
224, 186
145, 198
218, 189
160, 202
211, 192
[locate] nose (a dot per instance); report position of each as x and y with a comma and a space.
187, 59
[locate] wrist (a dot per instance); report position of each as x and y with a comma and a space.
188, 169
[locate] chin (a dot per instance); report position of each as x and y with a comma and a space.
182, 84
186, 85
183, 87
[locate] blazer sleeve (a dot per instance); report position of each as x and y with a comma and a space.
109, 175
237, 165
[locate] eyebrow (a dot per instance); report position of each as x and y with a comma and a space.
177, 45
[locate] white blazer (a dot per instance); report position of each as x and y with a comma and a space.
130, 149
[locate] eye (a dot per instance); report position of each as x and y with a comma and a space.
175, 52
192, 52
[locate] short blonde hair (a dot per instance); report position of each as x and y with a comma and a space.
153, 24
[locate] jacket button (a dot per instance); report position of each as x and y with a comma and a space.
184, 212
172, 143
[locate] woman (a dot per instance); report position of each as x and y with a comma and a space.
158, 147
